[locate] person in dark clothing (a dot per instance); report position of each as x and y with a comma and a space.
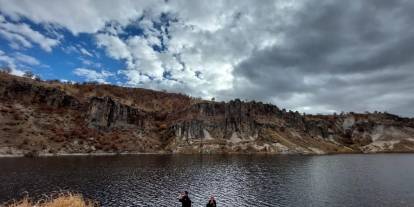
184, 199
211, 202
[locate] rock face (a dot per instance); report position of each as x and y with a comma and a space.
244, 127
223, 120
61, 118
231, 122
104, 113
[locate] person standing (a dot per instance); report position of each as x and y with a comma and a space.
184, 199
211, 202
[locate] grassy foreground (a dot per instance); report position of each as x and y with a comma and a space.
60, 200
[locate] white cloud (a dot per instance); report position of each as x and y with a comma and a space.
7, 60
92, 75
145, 59
11, 63
116, 48
138, 54
26, 59
21, 34
85, 52
78, 16
69, 49
15, 39
90, 63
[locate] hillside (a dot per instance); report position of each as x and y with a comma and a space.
39, 117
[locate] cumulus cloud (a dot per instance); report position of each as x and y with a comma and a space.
93, 75
138, 54
312, 56
116, 48
87, 16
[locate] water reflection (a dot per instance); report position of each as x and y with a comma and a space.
154, 180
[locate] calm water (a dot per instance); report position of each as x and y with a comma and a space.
154, 180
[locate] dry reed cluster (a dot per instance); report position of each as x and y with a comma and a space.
58, 200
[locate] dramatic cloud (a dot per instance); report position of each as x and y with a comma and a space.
317, 56
92, 75
336, 56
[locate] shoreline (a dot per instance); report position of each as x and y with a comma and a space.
81, 154
112, 154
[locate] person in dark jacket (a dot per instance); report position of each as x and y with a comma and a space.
211, 202
184, 199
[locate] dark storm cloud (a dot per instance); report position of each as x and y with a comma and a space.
342, 55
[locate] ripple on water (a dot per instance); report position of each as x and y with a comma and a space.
154, 180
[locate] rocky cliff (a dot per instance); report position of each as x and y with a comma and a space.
56, 118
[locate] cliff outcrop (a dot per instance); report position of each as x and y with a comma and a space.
38, 117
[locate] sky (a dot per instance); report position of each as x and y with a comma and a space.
314, 56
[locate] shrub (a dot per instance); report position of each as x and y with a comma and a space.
59, 200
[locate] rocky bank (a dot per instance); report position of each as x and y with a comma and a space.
39, 117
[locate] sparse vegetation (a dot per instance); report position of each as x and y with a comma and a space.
28, 74
6, 70
31, 75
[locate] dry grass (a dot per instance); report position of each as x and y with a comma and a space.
60, 200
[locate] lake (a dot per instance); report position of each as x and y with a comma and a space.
235, 180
